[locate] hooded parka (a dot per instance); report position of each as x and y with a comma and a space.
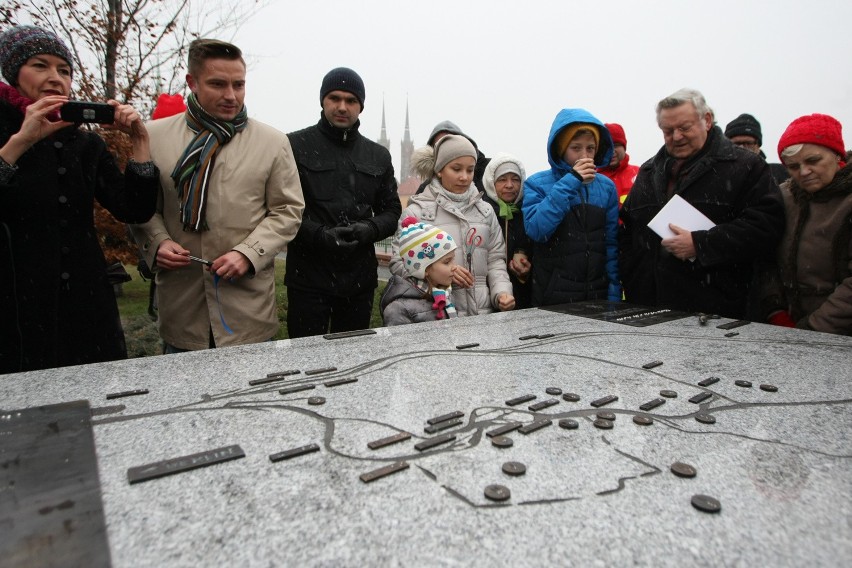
514, 233
574, 225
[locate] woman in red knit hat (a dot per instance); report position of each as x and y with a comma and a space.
811, 287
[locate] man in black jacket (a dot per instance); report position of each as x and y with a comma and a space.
351, 202
708, 270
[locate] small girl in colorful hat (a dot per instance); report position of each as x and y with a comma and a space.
425, 293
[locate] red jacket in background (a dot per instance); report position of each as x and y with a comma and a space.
622, 176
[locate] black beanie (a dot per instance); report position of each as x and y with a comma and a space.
343, 79
744, 125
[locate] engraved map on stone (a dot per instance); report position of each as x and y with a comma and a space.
778, 460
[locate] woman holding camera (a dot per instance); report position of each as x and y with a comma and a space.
57, 304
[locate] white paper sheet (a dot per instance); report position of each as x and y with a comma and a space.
679, 212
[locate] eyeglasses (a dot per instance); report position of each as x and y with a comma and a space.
746, 144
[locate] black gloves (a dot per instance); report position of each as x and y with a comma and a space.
365, 232
347, 237
337, 239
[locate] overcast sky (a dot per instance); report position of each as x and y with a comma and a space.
502, 69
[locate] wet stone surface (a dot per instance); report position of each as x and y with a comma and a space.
381, 491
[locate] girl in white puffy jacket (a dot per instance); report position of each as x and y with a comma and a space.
451, 201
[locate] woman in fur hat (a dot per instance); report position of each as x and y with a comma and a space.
811, 287
57, 303
452, 202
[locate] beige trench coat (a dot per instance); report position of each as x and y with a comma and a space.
254, 207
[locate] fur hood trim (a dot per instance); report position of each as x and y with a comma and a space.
423, 162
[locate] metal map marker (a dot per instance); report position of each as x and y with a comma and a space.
163, 468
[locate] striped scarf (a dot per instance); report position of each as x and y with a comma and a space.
442, 304
194, 168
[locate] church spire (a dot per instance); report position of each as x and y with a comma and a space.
407, 137
383, 139
407, 148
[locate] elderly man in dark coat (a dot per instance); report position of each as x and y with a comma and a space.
705, 270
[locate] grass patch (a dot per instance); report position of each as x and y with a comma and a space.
141, 332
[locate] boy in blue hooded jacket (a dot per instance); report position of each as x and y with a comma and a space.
571, 213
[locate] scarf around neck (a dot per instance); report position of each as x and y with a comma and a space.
195, 166
507, 210
19, 102
443, 303
11, 95
465, 197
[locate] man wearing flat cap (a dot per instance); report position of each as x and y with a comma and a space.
351, 202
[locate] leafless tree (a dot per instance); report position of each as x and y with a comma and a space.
131, 51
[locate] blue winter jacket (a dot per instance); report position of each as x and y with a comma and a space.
574, 226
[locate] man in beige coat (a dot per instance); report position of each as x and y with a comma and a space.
230, 200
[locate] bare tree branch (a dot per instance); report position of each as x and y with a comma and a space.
132, 49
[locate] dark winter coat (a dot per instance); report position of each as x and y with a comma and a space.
734, 189
574, 225
57, 305
403, 302
814, 283
345, 178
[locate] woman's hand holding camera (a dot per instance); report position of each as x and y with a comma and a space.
37, 126
127, 120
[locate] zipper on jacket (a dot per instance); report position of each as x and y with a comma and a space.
586, 237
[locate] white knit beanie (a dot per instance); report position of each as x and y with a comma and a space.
421, 245
508, 168
449, 148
